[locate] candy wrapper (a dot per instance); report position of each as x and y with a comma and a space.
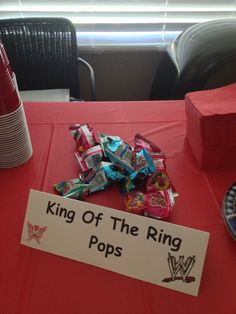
142, 163
84, 136
158, 181
99, 181
140, 171
135, 202
141, 141
159, 204
73, 188
119, 153
89, 158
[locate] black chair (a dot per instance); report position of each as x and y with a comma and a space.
43, 53
202, 57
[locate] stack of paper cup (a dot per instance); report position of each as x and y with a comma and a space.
15, 143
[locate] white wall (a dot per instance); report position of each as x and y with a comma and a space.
121, 75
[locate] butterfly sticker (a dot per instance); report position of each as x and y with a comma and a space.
35, 232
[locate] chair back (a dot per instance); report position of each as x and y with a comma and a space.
202, 57
43, 53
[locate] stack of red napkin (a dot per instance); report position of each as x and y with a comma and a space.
211, 127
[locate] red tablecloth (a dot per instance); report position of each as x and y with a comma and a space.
35, 282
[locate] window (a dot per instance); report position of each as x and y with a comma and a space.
119, 23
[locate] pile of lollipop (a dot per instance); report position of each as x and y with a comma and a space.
139, 171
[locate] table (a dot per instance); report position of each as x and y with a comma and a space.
35, 282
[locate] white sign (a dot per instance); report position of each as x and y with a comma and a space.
151, 250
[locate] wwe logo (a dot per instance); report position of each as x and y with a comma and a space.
181, 268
